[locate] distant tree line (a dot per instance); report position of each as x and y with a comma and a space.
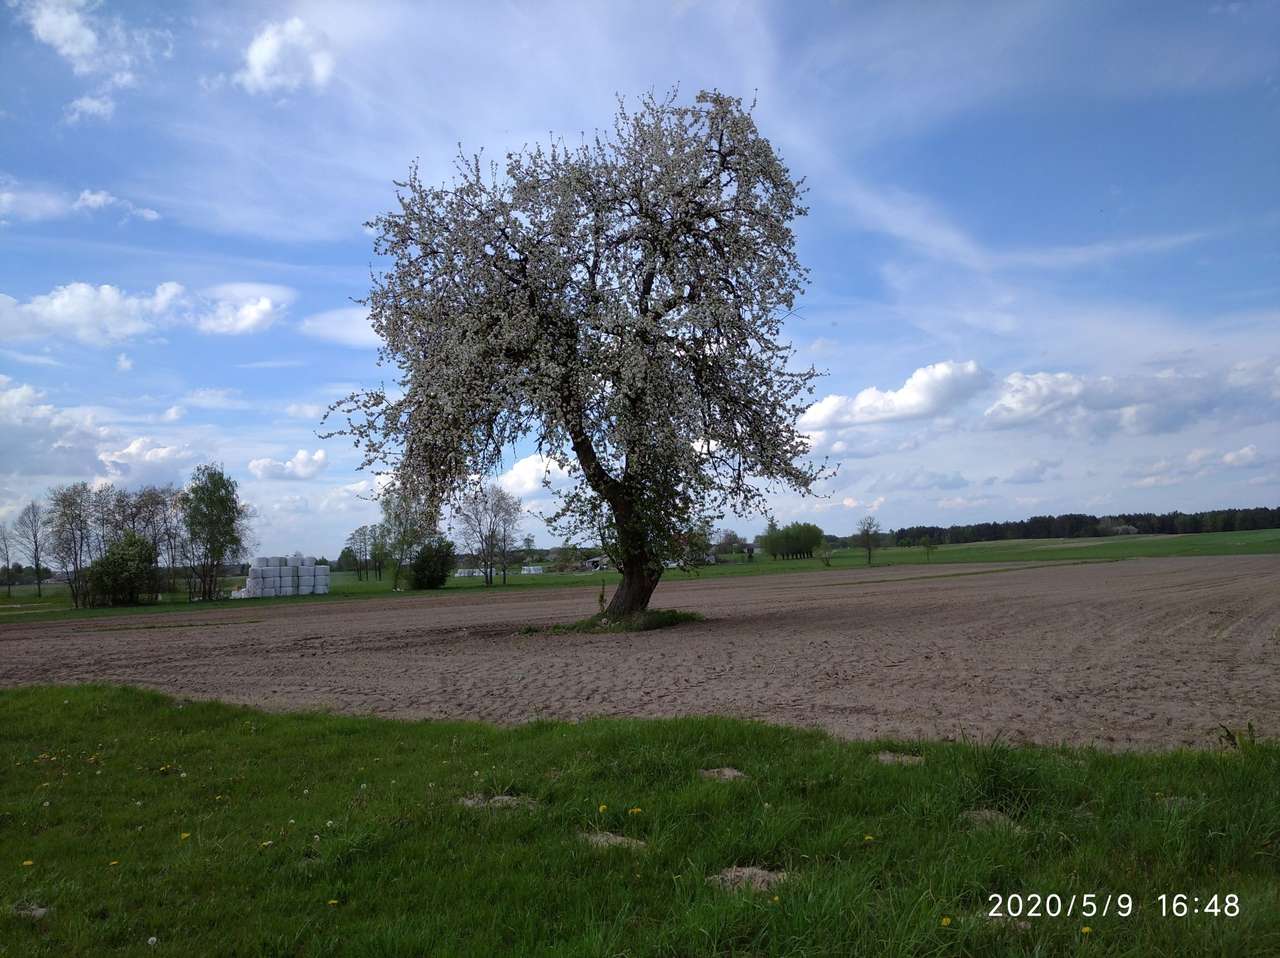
1079, 525
113, 546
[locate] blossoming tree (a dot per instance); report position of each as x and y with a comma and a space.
619, 304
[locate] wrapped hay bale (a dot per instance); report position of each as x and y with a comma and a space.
308, 561
322, 589
260, 562
294, 561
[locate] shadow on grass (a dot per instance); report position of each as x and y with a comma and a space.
601, 624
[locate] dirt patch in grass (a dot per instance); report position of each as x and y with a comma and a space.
611, 840
747, 876
722, 774
498, 801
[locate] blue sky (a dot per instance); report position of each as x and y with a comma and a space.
1044, 237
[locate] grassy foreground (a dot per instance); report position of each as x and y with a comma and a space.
24, 606
218, 830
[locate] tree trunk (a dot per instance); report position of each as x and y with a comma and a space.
633, 594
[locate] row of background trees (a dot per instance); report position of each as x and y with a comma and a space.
114, 546
487, 517
1079, 525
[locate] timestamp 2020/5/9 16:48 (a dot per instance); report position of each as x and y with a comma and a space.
1096, 905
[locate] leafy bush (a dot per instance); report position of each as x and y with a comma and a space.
126, 574
433, 564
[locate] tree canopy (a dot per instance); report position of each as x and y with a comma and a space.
619, 304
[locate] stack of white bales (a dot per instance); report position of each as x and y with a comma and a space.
280, 575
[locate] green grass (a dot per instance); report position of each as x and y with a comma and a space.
57, 603
600, 624
286, 813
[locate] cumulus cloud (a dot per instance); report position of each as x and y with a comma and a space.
239, 308
346, 327
123, 363
41, 439
929, 391
1026, 397
103, 315
94, 46
283, 57
303, 465
1166, 401
527, 475
94, 315
145, 460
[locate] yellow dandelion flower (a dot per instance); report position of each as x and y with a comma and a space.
333, 902
268, 843
603, 809
946, 921
113, 863
776, 899
184, 836
28, 863
868, 838
1085, 930
634, 811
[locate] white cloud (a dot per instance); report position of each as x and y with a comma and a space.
303, 465
1247, 456
1141, 404
41, 439
929, 391
94, 315
173, 414
346, 327
526, 476
62, 25
303, 410
30, 203
1026, 397
285, 56
123, 363
144, 460
101, 200
94, 46
99, 107
870, 505
106, 314
240, 308
207, 398
33, 203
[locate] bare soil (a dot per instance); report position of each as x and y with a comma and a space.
1146, 653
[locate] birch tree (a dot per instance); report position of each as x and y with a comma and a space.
32, 536
6, 558
619, 306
